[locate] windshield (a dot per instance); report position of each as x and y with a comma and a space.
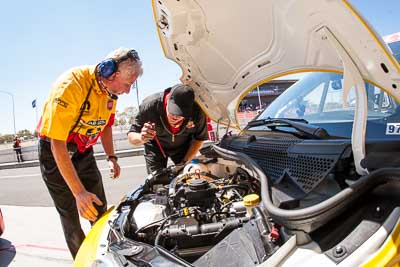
318, 98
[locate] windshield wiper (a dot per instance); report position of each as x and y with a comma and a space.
300, 125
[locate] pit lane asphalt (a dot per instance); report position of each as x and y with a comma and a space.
33, 235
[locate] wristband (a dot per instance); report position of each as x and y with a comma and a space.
110, 157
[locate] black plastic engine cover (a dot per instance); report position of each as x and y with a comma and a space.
243, 247
198, 193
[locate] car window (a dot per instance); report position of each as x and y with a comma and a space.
318, 97
395, 47
305, 105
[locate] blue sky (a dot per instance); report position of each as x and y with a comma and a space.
41, 39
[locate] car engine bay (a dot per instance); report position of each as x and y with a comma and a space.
207, 212
197, 211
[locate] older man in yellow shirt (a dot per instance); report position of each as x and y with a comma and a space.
79, 110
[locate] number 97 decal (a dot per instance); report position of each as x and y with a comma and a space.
393, 129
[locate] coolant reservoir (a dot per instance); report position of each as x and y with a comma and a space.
147, 213
222, 168
251, 201
194, 166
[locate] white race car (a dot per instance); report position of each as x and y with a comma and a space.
314, 180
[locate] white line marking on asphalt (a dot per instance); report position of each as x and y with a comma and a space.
39, 175
20, 176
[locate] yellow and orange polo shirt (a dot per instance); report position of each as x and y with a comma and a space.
63, 105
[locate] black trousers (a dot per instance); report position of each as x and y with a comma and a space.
155, 159
18, 151
64, 201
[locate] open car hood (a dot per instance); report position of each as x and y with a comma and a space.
226, 48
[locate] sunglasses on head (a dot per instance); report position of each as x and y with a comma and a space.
131, 54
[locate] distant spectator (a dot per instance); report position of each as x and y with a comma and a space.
17, 148
243, 105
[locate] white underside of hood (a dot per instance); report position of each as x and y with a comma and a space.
227, 47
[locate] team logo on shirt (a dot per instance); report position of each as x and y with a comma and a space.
60, 102
97, 123
110, 104
86, 106
190, 124
93, 122
93, 132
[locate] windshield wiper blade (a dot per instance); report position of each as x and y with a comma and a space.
299, 124
261, 122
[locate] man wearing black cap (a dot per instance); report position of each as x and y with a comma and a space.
169, 124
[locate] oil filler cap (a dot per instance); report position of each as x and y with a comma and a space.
251, 200
198, 184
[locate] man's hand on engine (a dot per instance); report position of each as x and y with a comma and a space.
179, 167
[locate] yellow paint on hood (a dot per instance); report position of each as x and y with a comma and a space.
87, 252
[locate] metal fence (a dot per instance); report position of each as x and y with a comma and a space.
30, 151
120, 140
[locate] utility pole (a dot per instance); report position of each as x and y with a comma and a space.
137, 93
259, 98
13, 106
36, 117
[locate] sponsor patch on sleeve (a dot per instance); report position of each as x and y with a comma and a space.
61, 102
